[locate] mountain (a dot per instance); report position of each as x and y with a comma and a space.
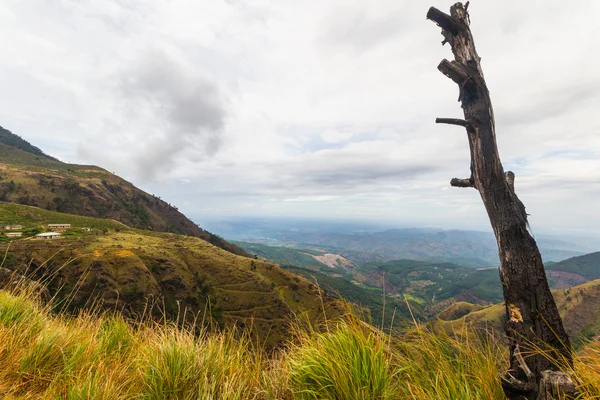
365, 243
9, 139
28, 176
113, 267
415, 289
575, 270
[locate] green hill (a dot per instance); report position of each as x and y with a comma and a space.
30, 177
579, 308
117, 267
433, 283
586, 268
284, 255
426, 286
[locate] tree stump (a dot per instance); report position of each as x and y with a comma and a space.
556, 385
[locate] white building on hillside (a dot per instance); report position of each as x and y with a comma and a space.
48, 235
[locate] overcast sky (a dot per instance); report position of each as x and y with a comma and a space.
320, 108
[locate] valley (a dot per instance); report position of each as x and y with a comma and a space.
415, 288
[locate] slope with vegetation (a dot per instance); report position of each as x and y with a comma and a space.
116, 267
579, 308
284, 255
49, 356
30, 177
574, 270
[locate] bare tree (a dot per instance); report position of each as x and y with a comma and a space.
533, 321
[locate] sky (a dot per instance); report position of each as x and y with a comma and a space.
313, 108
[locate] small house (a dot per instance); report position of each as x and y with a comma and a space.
49, 235
59, 227
13, 227
13, 234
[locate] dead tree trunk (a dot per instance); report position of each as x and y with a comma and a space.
533, 322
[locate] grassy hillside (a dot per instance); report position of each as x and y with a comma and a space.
29, 177
342, 280
11, 213
125, 269
48, 356
375, 307
579, 308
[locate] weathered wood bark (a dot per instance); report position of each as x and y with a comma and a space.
533, 322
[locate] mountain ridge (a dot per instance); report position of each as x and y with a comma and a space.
12, 140
28, 176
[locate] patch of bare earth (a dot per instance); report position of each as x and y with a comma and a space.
335, 260
564, 280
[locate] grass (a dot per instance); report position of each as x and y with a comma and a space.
122, 270
101, 356
350, 361
11, 213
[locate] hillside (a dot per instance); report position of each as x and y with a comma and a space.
575, 270
30, 177
9, 139
284, 255
579, 308
116, 267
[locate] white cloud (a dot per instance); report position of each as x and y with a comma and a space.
273, 107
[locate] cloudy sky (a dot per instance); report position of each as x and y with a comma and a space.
320, 108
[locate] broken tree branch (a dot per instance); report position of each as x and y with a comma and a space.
454, 70
443, 20
452, 121
463, 183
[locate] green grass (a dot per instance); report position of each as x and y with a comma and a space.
11, 213
349, 361
123, 269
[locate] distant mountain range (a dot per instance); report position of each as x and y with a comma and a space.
363, 243
29, 176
